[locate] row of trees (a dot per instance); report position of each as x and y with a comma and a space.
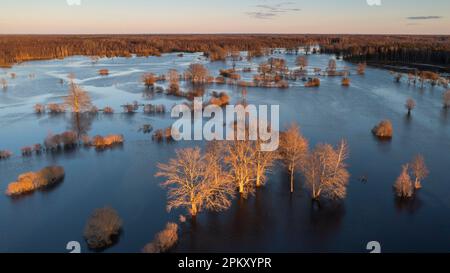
371, 48
209, 180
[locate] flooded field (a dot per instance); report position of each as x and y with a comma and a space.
274, 220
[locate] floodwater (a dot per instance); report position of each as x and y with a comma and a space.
271, 221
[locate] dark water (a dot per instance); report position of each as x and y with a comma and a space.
271, 221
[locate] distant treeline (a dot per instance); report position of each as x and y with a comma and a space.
422, 52
431, 50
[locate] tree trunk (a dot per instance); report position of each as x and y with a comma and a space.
258, 179
193, 209
241, 188
292, 180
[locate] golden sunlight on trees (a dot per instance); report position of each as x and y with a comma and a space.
293, 149
194, 184
345, 81
78, 99
164, 240
410, 105
197, 73
239, 157
325, 171
419, 171
103, 72
174, 81
102, 228
149, 80
403, 185
264, 161
32, 181
446, 99
383, 130
314, 82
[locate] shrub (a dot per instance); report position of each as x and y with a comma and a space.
86, 140
107, 141
32, 181
39, 108
149, 79
220, 99
37, 148
164, 240
52, 142
282, 84
314, 82
383, 129
108, 110
27, 151
5, 154
345, 81
101, 228
103, 72
56, 108
69, 139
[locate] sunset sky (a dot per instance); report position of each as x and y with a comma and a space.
224, 16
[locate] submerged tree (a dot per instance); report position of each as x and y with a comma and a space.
410, 105
192, 183
149, 80
293, 148
174, 81
197, 73
418, 170
78, 99
325, 171
446, 99
361, 69
302, 62
264, 161
403, 185
239, 158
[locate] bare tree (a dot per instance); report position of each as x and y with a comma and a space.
361, 68
293, 148
239, 158
331, 66
197, 73
264, 161
403, 185
174, 81
149, 79
410, 105
302, 62
419, 170
446, 99
78, 99
191, 183
4, 83
325, 171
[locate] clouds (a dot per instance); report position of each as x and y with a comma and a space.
271, 11
429, 17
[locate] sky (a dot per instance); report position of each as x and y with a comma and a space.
224, 16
